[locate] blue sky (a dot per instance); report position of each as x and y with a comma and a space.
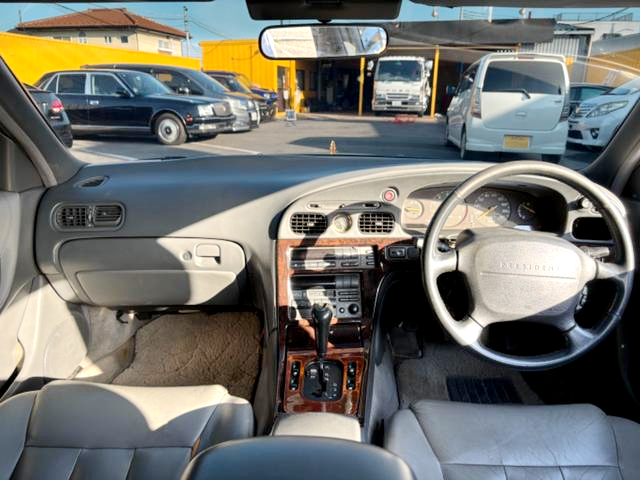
230, 19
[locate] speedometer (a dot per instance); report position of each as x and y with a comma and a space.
492, 208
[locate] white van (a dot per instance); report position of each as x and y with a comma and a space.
401, 84
509, 102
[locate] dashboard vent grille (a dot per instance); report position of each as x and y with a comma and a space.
376, 222
308, 223
107, 215
73, 216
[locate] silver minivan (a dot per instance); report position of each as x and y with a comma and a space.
510, 102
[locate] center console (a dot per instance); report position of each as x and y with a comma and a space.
326, 293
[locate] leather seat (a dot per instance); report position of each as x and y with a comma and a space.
447, 440
78, 430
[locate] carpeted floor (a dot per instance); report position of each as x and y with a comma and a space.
426, 378
197, 349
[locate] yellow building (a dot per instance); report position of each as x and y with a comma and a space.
296, 82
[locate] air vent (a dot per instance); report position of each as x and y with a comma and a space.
92, 182
308, 223
72, 216
107, 215
376, 222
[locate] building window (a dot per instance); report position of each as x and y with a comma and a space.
64, 38
108, 39
82, 37
165, 46
300, 80
124, 39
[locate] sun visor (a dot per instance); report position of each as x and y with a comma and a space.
323, 9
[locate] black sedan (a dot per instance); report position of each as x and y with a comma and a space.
53, 110
129, 102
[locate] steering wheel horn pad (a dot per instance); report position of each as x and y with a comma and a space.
522, 275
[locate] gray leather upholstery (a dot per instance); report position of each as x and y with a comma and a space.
319, 424
78, 430
452, 441
296, 458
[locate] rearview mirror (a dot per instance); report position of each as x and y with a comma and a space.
298, 42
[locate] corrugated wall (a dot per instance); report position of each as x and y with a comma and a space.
31, 57
242, 56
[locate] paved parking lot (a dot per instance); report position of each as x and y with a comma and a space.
312, 133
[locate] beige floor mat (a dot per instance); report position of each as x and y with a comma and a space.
197, 349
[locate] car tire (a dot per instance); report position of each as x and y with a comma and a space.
464, 153
169, 130
551, 158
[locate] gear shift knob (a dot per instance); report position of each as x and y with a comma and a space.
321, 316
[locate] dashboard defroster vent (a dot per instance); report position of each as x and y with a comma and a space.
376, 222
308, 223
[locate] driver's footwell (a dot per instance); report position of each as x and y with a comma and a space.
448, 372
197, 349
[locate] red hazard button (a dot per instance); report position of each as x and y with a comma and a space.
390, 194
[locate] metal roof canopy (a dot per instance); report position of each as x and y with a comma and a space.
475, 33
530, 3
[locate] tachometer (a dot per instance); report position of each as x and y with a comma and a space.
457, 216
492, 208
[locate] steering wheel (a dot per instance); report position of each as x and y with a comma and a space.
514, 275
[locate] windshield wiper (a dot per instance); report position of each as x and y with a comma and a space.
521, 90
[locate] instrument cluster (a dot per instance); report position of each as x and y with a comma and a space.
486, 208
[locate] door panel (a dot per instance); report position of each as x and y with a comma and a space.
71, 90
107, 107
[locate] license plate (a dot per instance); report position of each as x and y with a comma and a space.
254, 116
396, 103
516, 141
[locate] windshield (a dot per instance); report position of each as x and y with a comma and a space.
213, 84
627, 89
488, 84
399, 70
233, 84
144, 84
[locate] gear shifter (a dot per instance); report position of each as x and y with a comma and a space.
321, 316
322, 378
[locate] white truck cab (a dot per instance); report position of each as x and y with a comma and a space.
401, 84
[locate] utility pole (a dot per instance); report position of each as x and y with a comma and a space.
19, 16
185, 13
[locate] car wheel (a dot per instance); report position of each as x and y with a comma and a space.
169, 130
551, 158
